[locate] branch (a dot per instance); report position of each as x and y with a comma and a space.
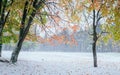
99, 10
102, 32
86, 18
0, 6
98, 15
51, 3
3, 60
98, 19
85, 6
3, 11
90, 33
6, 18
22, 26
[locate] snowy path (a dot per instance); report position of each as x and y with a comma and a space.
60, 63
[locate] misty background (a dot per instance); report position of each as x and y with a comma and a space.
83, 39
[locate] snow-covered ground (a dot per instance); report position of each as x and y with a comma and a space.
60, 63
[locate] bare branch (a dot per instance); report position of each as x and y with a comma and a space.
3, 60
6, 17
90, 33
98, 12
98, 19
102, 32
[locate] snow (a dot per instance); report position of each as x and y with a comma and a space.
61, 63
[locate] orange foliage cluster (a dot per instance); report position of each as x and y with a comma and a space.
75, 28
73, 40
62, 40
56, 39
56, 18
40, 39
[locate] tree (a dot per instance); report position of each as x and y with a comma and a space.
96, 19
36, 5
105, 20
99, 9
33, 12
4, 4
77, 9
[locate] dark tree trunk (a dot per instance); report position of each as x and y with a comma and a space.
22, 27
0, 46
0, 39
94, 46
3, 19
96, 19
0, 27
15, 53
0, 50
94, 40
94, 54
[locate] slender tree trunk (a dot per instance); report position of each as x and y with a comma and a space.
0, 46
94, 46
0, 50
94, 40
3, 19
94, 54
0, 43
1, 27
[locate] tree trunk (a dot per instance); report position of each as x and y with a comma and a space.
3, 19
94, 46
94, 39
0, 49
0, 42
15, 53
22, 35
94, 54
